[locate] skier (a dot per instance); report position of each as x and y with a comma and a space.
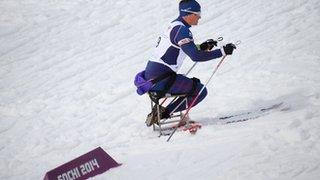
172, 48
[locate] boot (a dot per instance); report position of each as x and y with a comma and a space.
152, 118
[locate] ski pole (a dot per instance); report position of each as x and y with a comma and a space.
191, 68
195, 99
218, 39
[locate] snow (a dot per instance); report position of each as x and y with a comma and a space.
66, 87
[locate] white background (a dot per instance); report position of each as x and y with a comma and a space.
66, 87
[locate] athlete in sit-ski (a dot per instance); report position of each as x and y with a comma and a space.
173, 46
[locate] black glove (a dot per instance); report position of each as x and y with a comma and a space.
228, 48
208, 45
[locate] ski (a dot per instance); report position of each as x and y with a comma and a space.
274, 106
249, 115
191, 127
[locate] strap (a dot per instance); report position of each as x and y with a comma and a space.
168, 85
160, 94
162, 76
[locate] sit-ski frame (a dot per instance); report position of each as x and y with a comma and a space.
163, 123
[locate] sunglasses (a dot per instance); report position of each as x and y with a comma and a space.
192, 12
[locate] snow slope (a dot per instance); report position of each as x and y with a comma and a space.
66, 72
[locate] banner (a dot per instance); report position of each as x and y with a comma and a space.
88, 165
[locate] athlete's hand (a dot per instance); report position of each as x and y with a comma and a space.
208, 45
228, 48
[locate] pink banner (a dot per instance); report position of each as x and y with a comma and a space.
88, 165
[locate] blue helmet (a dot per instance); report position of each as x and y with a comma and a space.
187, 7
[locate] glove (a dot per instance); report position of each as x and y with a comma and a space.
228, 48
208, 45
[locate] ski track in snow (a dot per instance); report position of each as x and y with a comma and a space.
66, 72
